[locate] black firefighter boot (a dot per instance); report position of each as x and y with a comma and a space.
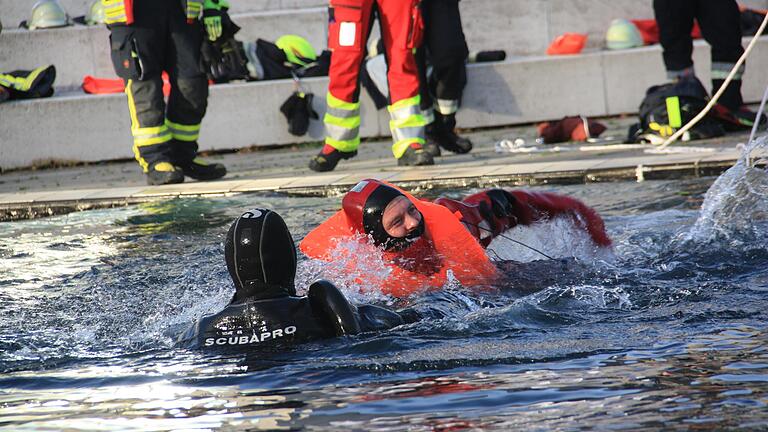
441, 131
731, 111
185, 157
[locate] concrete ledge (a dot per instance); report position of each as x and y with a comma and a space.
16, 206
79, 50
92, 128
15, 11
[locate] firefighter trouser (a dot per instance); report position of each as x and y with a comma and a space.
349, 25
720, 25
161, 40
445, 49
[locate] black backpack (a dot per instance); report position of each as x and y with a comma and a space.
668, 107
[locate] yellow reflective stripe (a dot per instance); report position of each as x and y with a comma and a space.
340, 133
403, 103
143, 142
151, 135
673, 111
21, 83
337, 103
343, 145
182, 132
153, 130
32, 77
348, 123
181, 127
114, 11
408, 133
132, 106
412, 121
193, 9
341, 129
399, 147
9, 81
405, 108
341, 113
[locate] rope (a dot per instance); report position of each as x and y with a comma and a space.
502, 235
714, 99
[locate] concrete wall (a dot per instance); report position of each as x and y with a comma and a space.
79, 50
521, 27
12, 12
92, 128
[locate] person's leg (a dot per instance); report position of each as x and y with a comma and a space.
401, 28
430, 145
720, 23
675, 21
188, 99
349, 25
137, 53
447, 53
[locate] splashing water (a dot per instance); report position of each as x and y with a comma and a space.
736, 205
559, 238
359, 278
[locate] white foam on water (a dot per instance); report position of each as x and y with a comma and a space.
358, 269
558, 238
736, 202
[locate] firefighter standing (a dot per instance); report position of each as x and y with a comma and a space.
445, 48
149, 37
348, 30
721, 27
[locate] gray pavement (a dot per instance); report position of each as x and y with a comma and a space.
34, 193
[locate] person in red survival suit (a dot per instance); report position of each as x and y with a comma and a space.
348, 30
423, 240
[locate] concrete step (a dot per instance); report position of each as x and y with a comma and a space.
84, 50
15, 11
524, 90
520, 27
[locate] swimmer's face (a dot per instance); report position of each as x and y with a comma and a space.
400, 217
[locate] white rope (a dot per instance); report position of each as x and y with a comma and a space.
727, 81
757, 118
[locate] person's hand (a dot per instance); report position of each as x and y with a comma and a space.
500, 213
502, 203
212, 14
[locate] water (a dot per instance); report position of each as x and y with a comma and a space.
666, 332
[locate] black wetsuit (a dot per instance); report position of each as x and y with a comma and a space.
265, 310
259, 324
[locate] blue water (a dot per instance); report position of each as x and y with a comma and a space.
666, 332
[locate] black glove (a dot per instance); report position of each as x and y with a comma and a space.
500, 213
297, 109
224, 60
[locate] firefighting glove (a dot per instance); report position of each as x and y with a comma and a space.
212, 14
297, 109
501, 211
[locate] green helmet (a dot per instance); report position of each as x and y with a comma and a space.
297, 49
96, 13
622, 34
48, 14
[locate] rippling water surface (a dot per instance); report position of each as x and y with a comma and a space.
667, 331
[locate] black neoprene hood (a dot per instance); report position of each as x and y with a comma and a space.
261, 255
